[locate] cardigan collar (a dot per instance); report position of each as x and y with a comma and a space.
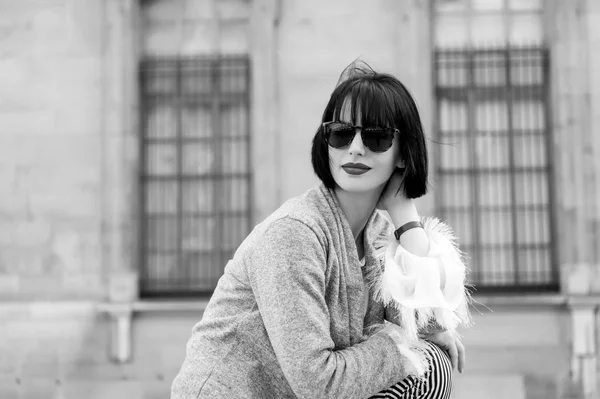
375, 239
372, 230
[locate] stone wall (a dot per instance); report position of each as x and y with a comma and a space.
67, 160
61, 350
50, 140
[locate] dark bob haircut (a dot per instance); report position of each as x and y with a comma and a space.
381, 100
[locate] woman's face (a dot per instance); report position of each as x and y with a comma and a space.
379, 165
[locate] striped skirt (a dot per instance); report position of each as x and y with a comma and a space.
437, 383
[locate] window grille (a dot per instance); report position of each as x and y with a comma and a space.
494, 182
195, 171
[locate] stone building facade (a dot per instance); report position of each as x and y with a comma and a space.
74, 323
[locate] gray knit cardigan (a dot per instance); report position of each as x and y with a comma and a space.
286, 318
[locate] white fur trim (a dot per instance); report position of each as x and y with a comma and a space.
411, 283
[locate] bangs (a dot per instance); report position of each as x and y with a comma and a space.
371, 101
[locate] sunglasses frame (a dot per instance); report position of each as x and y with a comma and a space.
362, 130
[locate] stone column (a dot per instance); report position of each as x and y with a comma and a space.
264, 108
593, 27
575, 123
414, 55
120, 146
574, 34
584, 349
120, 163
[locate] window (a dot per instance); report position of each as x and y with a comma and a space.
494, 173
195, 170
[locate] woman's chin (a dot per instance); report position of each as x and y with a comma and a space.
357, 186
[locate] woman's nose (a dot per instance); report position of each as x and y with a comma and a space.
357, 146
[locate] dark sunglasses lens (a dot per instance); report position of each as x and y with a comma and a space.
339, 135
378, 140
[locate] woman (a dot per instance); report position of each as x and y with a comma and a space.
301, 308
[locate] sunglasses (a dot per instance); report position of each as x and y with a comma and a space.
340, 135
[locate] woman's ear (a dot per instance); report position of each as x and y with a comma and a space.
400, 163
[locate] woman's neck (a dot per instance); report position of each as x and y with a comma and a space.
357, 207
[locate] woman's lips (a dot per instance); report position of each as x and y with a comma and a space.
354, 170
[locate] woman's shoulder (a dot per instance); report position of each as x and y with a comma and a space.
310, 209
295, 224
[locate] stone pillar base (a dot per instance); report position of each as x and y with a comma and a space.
123, 287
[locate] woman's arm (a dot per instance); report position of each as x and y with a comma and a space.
413, 240
287, 275
425, 267
423, 283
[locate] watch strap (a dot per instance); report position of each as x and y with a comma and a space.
405, 227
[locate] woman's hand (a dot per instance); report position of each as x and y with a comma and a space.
449, 341
393, 200
403, 210
392, 197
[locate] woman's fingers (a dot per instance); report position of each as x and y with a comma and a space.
451, 343
461, 355
453, 354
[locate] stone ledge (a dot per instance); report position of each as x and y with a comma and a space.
543, 300
550, 300
153, 306
584, 300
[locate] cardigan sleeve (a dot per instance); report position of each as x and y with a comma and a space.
415, 292
287, 275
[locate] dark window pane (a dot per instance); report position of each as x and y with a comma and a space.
161, 197
496, 267
457, 190
160, 121
234, 195
234, 121
196, 79
533, 227
462, 225
201, 269
496, 227
235, 229
453, 117
531, 188
456, 154
235, 156
162, 234
196, 121
198, 196
530, 151
494, 189
198, 234
161, 159
490, 69
492, 151
199, 158
537, 267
